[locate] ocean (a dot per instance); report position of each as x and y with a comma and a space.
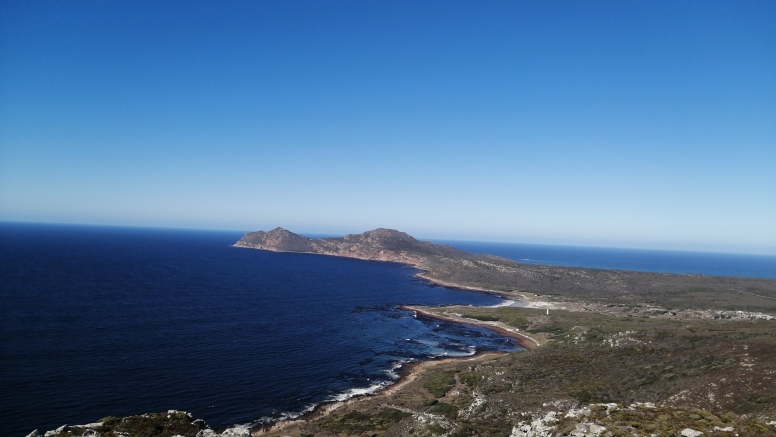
663, 261
100, 321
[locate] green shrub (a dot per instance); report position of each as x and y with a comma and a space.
441, 383
483, 318
446, 410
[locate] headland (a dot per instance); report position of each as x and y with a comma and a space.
539, 286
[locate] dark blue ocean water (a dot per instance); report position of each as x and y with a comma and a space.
664, 261
98, 321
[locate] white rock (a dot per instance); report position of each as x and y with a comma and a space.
725, 429
689, 432
587, 429
90, 433
584, 411
529, 430
90, 425
236, 432
468, 411
541, 427
208, 433
610, 407
34, 434
55, 432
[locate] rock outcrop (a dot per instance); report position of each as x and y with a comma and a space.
172, 423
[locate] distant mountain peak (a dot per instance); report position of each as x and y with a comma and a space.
380, 244
388, 233
281, 231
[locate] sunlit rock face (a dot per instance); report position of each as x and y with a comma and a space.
377, 245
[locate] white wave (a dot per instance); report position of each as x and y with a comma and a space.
293, 415
470, 350
393, 372
353, 392
429, 343
245, 426
286, 415
504, 303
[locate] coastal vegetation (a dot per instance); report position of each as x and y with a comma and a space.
440, 384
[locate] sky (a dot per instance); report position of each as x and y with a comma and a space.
643, 124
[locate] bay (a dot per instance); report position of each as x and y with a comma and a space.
100, 321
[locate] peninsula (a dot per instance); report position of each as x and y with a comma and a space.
612, 291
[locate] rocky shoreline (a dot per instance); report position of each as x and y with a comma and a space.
174, 423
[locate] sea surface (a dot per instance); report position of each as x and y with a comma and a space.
99, 321
663, 261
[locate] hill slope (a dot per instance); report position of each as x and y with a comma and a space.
377, 245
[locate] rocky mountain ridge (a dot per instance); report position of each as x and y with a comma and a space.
377, 245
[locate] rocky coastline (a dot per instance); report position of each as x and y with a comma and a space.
625, 356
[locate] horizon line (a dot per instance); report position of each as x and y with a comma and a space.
443, 240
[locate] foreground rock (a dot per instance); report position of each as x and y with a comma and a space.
170, 424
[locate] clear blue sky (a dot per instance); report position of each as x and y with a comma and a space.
620, 123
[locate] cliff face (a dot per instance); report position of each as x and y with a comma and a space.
378, 245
